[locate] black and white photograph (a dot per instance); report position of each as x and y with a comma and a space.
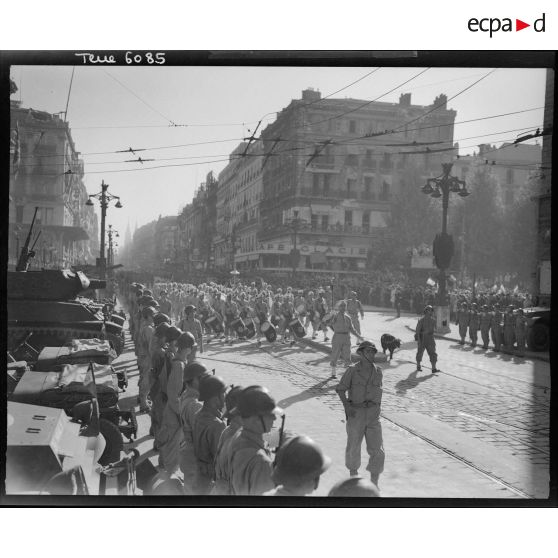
274, 277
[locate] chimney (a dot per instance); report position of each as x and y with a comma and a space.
405, 99
310, 95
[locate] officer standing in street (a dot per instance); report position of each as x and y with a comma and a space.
193, 325
208, 427
165, 305
354, 308
341, 342
509, 329
360, 391
298, 466
425, 337
144, 359
251, 461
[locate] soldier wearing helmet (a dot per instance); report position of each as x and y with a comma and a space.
355, 487
157, 353
251, 462
484, 320
171, 427
360, 391
144, 359
320, 311
341, 342
207, 429
509, 329
424, 334
354, 308
520, 331
462, 321
165, 304
299, 464
189, 407
496, 327
222, 456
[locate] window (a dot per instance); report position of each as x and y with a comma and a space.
315, 184
325, 222
385, 195
386, 162
326, 184
368, 184
352, 127
314, 222
351, 160
348, 218
366, 221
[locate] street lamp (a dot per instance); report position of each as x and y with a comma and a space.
295, 224
104, 198
440, 187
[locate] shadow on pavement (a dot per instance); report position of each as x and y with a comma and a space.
410, 382
314, 391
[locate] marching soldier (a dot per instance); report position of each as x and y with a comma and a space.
360, 391
520, 331
251, 461
300, 463
462, 321
509, 329
165, 305
496, 327
144, 359
474, 322
208, 428
341, 342
193, 325
424, 334
157, 364
485, 320
354, 308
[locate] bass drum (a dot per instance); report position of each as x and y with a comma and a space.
269, 331
297, 328
250, 330
238, 326
214, 324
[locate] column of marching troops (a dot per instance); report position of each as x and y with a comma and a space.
210, 437
507, 328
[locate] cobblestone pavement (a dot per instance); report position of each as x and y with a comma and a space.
479, 429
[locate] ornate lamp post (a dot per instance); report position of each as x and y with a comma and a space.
440, 187
104, 198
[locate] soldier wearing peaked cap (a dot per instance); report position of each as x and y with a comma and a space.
360, 391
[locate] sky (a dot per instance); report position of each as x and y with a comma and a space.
165, 110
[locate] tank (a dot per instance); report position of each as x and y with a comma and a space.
43, 308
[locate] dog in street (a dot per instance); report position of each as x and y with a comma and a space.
389, 343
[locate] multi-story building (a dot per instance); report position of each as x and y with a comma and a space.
47, 172
196, 224
331, 168
166, 240
238, 198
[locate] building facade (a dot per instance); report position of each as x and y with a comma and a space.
46, 172
331, 170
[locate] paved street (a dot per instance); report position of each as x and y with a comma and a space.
479, 429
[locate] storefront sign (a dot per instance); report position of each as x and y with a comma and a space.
309, 249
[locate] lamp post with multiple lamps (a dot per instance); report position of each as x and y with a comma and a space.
441, 187
104, 198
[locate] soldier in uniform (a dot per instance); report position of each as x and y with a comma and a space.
171, 431
299, 464
188, 407
341, 342
424, 335
462, 321
354, 308
157, 365
251, 461
193, 325
165, 305
261, 310
208, 427
230, 310
144, 359
509, 329
360, 391
321, 309
223, 454
485, 320
520, 331
474, 323
496, 327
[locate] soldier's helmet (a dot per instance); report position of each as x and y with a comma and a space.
148, 292
194, 370
211, 386
231, 400
186, 340
299, 459
355, 487
148, 312
353, 294
256, 400
485, 307
162, 329
428, 308
160, 318
163, 293
364, 345
189, 309
173, 333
